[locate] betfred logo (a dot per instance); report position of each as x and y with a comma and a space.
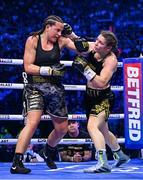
133, 89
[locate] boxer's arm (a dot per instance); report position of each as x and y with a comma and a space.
29, 56
80, 44
110, 66
81, 64
55, 70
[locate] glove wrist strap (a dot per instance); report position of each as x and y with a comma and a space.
89, 73
45, 71
73, 36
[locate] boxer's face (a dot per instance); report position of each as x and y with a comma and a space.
101, 45
54, 31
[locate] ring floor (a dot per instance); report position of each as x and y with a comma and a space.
74, 171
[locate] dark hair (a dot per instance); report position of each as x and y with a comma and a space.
50, 20
111, 40
73, 121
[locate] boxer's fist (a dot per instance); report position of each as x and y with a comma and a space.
81, 64
55, 70
67, 30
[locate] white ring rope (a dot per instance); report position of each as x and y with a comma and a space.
63, 141
20, 62
46, 117
80, 117
67, 87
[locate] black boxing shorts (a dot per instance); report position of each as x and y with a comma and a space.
48, 97
97, 101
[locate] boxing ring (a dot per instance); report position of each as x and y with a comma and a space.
66, 170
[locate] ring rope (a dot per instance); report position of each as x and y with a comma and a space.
63, 141
20, 62
67, 87
47, 117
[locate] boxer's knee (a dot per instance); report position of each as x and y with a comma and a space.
62, 128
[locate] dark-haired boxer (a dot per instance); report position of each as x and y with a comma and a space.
43, 90
98, 69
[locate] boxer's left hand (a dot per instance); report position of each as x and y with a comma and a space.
67, 30
81, 64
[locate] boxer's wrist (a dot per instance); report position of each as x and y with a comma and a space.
73, 36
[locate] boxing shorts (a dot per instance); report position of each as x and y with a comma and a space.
97, 101
48, 97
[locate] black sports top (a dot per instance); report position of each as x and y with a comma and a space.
47, 58
97, 66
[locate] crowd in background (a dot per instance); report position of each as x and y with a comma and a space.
19, 18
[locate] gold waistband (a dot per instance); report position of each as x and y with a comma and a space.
41, 79
96, 93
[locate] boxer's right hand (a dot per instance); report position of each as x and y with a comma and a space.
55, 70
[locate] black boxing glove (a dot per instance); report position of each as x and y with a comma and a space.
81, 45
67, 30
55, 70
81, 64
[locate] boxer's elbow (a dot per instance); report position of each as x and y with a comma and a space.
29, 69
99, 82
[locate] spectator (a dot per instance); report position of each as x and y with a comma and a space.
31, 156
4, 133
76, 152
